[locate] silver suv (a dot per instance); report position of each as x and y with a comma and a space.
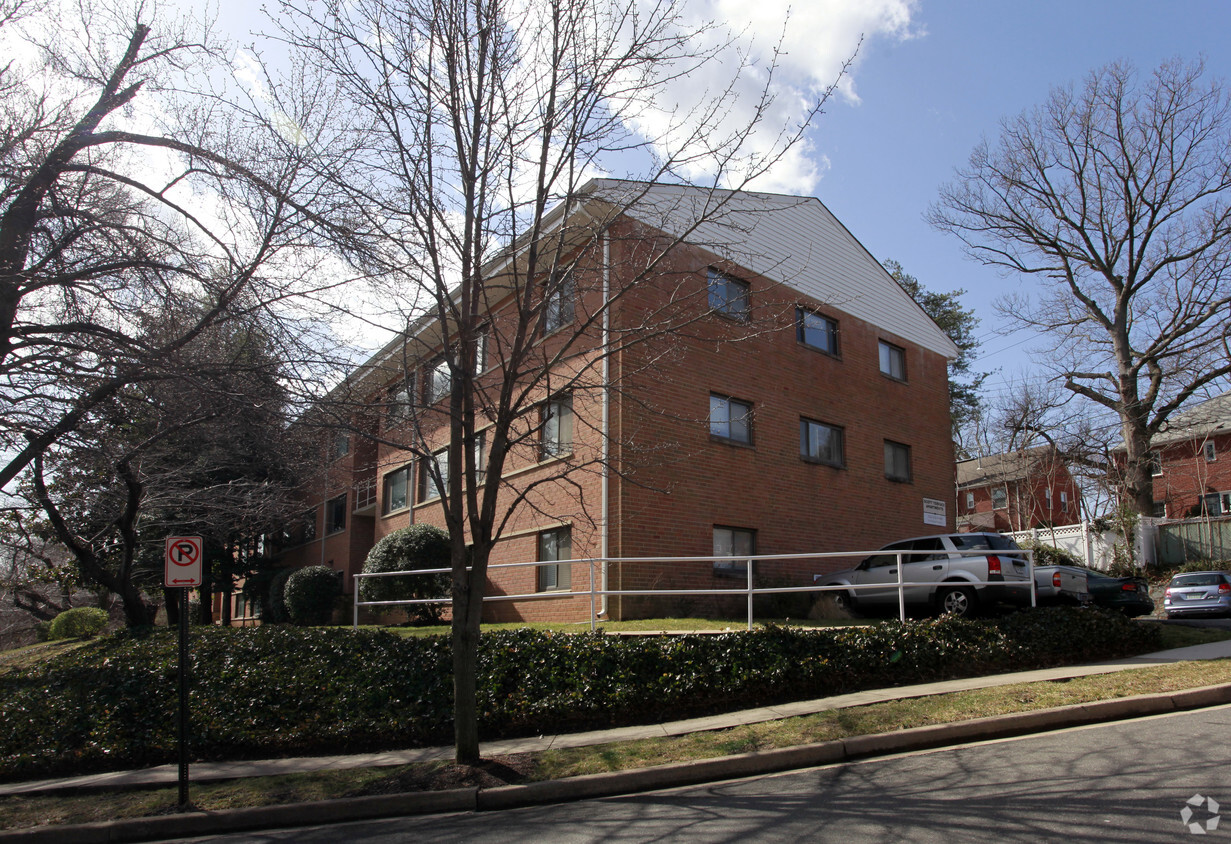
951, 577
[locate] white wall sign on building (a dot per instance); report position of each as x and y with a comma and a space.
934, 512
183, 562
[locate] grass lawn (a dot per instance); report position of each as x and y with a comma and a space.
96, 805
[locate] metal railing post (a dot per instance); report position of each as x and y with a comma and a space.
355, 624
1034, 587
591, 568
748, 570
901, 592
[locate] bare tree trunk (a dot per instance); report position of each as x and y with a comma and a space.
467, 616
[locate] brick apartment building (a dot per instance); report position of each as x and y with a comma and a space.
1191, 461
798, 404
1017, 490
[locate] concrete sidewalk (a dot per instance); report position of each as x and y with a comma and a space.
205, 771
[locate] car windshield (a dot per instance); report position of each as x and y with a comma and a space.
1196, 580
984, 542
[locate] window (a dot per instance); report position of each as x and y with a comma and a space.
728, 295
816, 331
335, 514
1211, 454
480, 349
820, 443
560, 304
396, 494
341, 444
428, 488
893, 361
241, 606
438, 381
309, 525
970, 501
1047, 497
1000, 497
400, 402
897, 461
1154, 460
557, 427
1216, 504
1064, 500
1159, 510
730, 419
555, 545
733, 542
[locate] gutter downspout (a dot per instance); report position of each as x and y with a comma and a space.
606, 501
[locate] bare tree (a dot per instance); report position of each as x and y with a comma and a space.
475, 125
127, 187
1115, 197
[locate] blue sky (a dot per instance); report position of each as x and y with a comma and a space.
927, 100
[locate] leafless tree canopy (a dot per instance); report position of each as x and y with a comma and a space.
1115, 197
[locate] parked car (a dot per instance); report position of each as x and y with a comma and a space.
949, 580
1062, 584
1198, 593
1129, 595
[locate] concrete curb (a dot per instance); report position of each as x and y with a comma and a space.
623, 782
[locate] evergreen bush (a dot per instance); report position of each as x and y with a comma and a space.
413, 548
310, 595
78, 623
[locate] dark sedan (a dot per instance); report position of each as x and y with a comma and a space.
1129, 595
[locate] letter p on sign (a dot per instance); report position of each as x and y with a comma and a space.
183, 562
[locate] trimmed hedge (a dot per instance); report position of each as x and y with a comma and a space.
276, 691
417, 546
78, 623
310, 594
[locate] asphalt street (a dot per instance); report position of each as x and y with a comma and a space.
1128, 781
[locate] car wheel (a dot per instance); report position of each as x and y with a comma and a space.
832, 605
958, 600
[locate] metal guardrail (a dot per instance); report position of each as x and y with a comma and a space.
595, 594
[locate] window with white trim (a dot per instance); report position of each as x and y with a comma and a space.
897, 461
341, 443
970, 501
728, 295
1000, 498
1211, 453
555, 545
1154, 460
821, 443
400, 402
438, 381
730, 419
560, 303
335, 514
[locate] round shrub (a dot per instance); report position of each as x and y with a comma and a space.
310, 594
412, 548
78, 623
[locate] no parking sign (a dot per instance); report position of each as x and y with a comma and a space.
183, 561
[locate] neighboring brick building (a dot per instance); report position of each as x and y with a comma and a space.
1016, 491
804, 409
1192, 462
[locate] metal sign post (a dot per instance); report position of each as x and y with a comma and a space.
183, 572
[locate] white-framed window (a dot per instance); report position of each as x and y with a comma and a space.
559, 304
1216, 503
428, 488
1211, 453
335, 514
480, 349
557, 421
727, 295
395, 494
1047, 497
438, 380
897, 461
738, 543
821, 443
730, 419
1064, 500
555, 545
892, 360
970, 502
816, 331
1000, 498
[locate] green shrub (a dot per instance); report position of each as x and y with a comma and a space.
279, 691
310, 594
78, 623
419, 546
42, 631
277, 613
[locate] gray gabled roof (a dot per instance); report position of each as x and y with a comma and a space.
1201, 421
999, 468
